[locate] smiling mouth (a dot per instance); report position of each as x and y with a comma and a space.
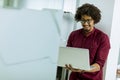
86, 28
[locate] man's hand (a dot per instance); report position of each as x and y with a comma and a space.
94, 68
69, 67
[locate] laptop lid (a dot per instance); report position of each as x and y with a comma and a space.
77, 57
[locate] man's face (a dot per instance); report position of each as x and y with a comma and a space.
87, 23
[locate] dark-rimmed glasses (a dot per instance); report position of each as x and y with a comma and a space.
84, 21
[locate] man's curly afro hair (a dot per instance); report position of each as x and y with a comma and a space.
90, 10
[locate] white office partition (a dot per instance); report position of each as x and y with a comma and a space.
29, 42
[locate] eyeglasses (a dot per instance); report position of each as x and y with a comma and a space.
84, 21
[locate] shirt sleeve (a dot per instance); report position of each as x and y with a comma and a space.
103, 50
70, 39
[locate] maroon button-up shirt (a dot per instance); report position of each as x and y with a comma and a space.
98, 44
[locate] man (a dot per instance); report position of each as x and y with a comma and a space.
90, 38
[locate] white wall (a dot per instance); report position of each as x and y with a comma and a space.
26, 46
39, 4
67, 6
115, 44
35, 68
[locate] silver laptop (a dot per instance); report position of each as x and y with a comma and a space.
77, 57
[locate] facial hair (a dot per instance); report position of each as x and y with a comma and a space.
87, 30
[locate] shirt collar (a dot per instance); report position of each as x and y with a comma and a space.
88, 34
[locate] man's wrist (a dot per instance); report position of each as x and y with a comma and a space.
83, 71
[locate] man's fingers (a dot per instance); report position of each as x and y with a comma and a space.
70, 66
67, 67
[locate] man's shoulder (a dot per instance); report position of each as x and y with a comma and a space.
76, 31
100, 33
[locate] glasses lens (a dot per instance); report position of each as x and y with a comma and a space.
84, 21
